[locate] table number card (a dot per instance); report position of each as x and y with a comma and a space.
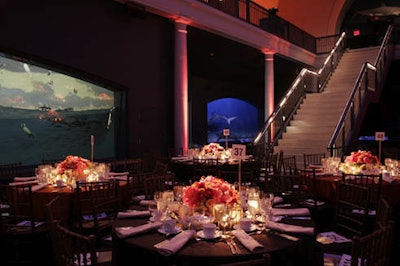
238, 151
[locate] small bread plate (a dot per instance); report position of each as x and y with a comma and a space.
217, 234
176, 230
253, 228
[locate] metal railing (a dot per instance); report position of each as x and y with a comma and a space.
307, 80
369, 83
267, 20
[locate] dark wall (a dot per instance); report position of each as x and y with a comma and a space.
104, 41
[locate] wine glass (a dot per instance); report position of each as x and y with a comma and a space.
178, 192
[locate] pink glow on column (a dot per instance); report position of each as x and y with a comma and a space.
181, 117
269, 103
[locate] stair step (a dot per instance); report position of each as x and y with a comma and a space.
316, 119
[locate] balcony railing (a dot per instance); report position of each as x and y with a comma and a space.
268, 20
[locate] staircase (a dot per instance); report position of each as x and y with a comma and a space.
315, 120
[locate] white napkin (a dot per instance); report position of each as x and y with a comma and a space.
176, 243
23, 183
278, 200
25, 178
123, 232
247, 241
118, 173
290, 212
119, 177
389, 179
132, 214
38, 187
147, 202
288, 228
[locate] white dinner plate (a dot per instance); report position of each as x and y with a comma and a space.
216, 235
178, 229
253, 228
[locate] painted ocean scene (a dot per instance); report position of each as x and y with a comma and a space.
49, 115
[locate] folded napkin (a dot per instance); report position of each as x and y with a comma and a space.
25, 178
147, 202
176, 243
290, 212
278, 200
123, 232
288, 228
389, 179
38, 187
119, 177
249, 242
132, 214
23, 183
117, 173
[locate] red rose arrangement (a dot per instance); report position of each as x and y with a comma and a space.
208, 191
362, 157
74, 163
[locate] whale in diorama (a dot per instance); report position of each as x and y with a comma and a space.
217, 122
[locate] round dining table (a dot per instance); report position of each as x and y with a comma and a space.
283, 248
326, 186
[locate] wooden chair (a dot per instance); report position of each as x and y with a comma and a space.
75, 249
69, 245
160, 168
383, 214
231, 176
118, 166
313, 159
351, 216
23, 235
373, 181
134, 166
58, 209
271, 163
321, 210
134, 190
352, 209
96, 206
158, 183
374, 248
9, 171
289, 165
285, 186
205, 167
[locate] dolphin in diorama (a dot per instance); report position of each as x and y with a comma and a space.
26, 130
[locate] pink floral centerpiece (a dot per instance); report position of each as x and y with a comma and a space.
208, 191
212, 150
359, 161
75, 163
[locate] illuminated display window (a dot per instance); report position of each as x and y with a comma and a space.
45, 114
240, 117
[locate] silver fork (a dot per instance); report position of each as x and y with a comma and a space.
238, 251
229, 242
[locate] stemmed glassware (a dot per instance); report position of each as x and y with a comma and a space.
178, 192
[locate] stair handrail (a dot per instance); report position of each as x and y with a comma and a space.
306, 80
370, 79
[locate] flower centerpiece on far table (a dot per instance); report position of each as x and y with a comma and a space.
212, 150
360, 161
76, 164
208, 191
